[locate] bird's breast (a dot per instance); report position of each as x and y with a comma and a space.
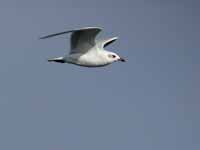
90, 60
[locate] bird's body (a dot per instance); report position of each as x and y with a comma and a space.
85, 50
90, 59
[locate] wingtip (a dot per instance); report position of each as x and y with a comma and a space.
43, 37
40, 38
116, 38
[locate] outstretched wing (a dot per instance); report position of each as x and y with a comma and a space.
104, 43
82, 40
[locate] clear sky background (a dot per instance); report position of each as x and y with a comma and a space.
151, 102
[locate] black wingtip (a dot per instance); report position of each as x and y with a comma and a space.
44, 37
41, 38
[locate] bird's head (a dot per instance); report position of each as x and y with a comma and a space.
112, 57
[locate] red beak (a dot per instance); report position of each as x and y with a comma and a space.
122, 59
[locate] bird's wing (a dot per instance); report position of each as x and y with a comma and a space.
82, 40
104, 43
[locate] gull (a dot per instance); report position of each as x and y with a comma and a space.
85, 50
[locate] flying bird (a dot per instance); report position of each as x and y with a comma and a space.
86, 50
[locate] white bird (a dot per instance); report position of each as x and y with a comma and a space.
86, 50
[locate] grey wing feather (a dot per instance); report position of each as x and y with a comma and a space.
81, 39
104, 43
56, 34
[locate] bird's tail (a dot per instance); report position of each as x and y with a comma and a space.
58, 59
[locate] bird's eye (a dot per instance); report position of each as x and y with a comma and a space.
113, 56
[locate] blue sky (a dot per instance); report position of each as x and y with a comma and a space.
150, 102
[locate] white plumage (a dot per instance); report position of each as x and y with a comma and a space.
86, 50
